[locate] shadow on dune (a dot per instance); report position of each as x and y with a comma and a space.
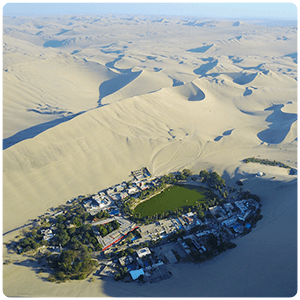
198, 96
294, 56
245, 78
280, 125
202, 49
225, 133
177, 82
257, 68
34, 131
111, 64
111, 86
203, 69
247, 92
235, 60
54, 44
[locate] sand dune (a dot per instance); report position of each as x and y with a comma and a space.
88, 99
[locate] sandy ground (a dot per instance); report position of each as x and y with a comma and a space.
87, 100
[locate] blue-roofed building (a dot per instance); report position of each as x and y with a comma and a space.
114, 213
147, 266
130, 267
135, 274
236, 226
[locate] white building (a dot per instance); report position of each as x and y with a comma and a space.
125, 260
143, 252
132, 190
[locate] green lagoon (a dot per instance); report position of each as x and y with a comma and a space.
174, 197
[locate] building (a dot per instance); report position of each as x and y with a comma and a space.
108, 271
119, 187
230, 222
125, 260
205, 232
109, 191
241, 205
218, 212
116, 196
229, 209
123, 194
143, 252
158, 264
47, 234
132, 190
135, 274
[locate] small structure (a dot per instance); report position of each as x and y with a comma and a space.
135, 274
58, 213
259, 174
108, 271
156, 265
143, 252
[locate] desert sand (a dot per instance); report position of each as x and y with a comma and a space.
88, 99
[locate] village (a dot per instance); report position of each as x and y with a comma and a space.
129, 251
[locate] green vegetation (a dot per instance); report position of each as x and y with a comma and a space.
171, 199
101, 215
184, 174
32, 243
70, 232
266, 162
105, 229
75, 237
122, 273
71, 264
212, 179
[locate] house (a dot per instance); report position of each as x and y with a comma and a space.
109, 191
47, 234
116, 196
132, 190
230, 222
143, 252
125, 260
120, 187
140, 262
101, 194
135, 274
123, 194
147, 266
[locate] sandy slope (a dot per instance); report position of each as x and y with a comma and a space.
89, 99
